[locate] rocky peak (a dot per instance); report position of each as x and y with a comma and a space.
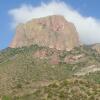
52, 31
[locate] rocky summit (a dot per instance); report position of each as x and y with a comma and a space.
52, 31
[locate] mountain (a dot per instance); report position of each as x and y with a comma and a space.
45, 61
52, 31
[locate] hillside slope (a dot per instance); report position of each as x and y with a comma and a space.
24, 70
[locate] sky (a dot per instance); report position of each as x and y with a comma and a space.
85, 14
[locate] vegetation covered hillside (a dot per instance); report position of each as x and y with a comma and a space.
28, 73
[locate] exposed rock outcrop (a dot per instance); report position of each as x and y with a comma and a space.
52, 31
96, 47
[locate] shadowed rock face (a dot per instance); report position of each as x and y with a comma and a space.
52, 31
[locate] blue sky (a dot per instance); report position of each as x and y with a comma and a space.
87, 8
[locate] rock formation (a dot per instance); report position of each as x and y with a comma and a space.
96, 47
52, 31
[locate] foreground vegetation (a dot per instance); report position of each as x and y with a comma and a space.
70, 89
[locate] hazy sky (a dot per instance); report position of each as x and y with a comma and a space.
85, 14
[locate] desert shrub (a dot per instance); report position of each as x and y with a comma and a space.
19, 85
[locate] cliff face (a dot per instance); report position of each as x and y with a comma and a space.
53, 31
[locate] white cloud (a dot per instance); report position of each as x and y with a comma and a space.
87, 27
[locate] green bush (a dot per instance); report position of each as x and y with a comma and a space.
6, 98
